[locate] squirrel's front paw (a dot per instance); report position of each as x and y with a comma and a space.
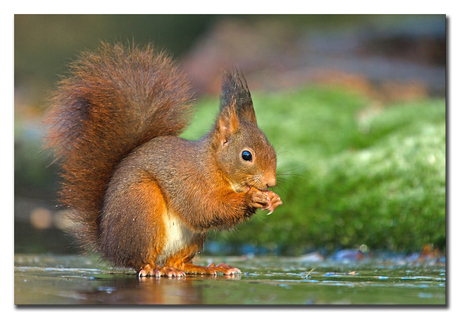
267, 200
257, 198
274, 201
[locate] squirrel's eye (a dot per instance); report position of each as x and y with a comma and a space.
246, 155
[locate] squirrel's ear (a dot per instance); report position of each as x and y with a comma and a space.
227, 125
235, 93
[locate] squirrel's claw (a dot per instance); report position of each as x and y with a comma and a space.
273, 206
146, 271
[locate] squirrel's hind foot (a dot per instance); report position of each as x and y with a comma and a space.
157, 271
191, 269
225, 269
211, 269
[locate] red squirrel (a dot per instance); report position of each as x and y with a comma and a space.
139, 195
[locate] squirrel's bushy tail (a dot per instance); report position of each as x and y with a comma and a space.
114, 100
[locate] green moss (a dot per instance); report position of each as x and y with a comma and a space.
351, 172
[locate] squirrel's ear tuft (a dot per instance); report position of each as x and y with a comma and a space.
235, 94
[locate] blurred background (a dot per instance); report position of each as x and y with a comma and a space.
354, 105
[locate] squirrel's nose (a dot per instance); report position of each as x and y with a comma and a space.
271, 181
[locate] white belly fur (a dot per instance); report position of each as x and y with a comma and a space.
178, 235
